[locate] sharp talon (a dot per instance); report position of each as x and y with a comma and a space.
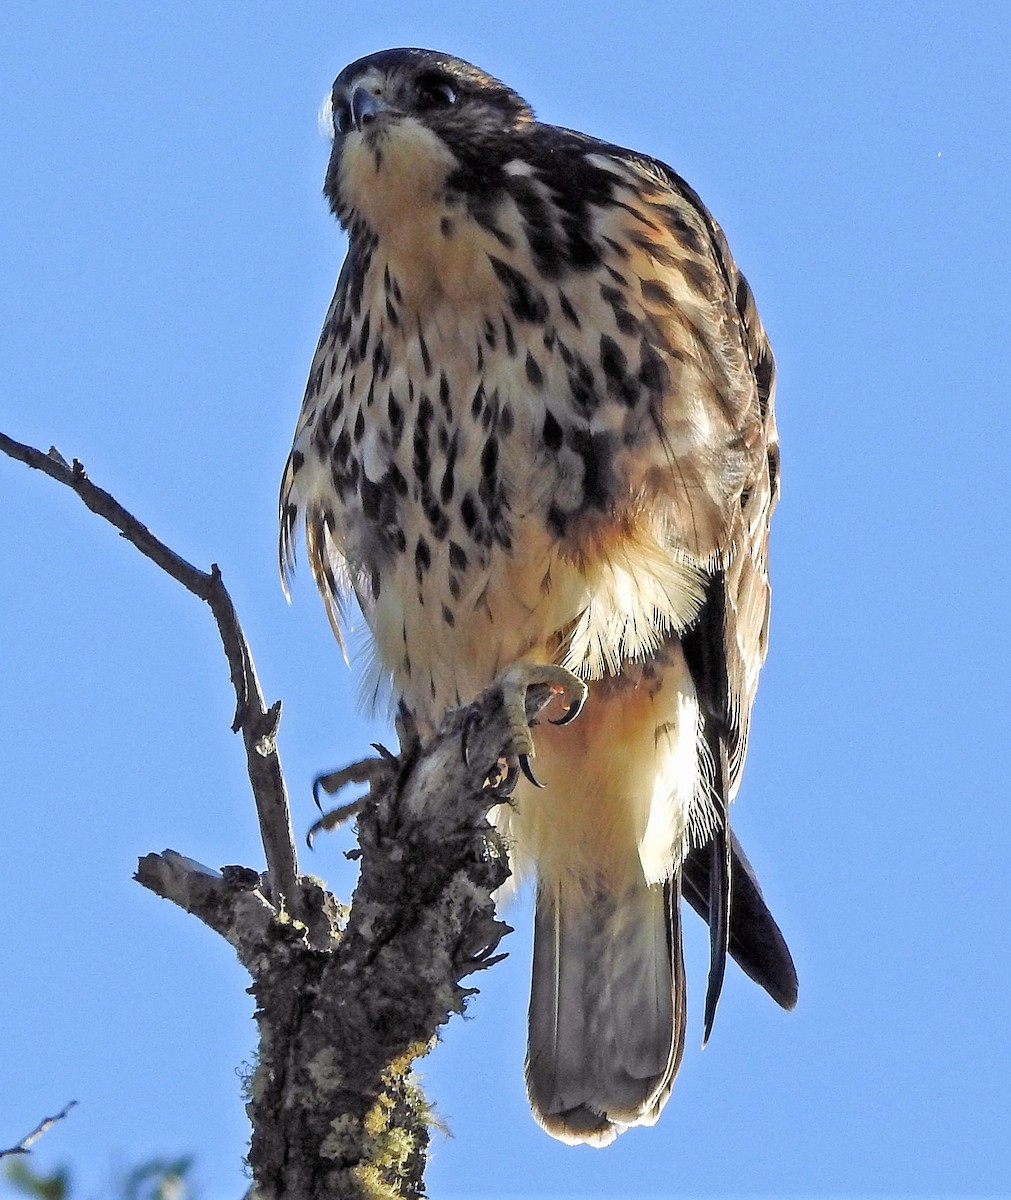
334, 819
528, 771
572, 712
317, 783
470, 722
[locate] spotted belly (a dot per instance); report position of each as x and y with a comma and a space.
447, 620
486, 476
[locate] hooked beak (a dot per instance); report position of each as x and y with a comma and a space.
365, 108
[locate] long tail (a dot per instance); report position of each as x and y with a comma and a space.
607, 1008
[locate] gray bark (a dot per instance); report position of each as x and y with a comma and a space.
346, 998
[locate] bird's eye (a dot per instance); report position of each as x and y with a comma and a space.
434, 91
342, 117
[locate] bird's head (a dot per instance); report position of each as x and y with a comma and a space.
410, 126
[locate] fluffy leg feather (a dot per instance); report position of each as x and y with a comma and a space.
624, 797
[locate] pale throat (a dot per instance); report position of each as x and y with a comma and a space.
395, 179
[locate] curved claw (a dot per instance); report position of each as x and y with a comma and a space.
528, 771
572, 711
317, 785
470, 722
333, 819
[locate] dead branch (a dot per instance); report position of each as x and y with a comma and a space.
257, 723
347, 999
346, 1004
26, 1143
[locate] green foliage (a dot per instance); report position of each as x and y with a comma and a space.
159, 1179
32, 1183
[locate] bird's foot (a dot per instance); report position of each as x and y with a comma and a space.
378, 773
527, 689
557, 684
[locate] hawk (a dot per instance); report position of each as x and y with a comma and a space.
538, 438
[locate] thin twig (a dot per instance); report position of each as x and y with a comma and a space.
29, 1140
253, 719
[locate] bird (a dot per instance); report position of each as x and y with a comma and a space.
538, 443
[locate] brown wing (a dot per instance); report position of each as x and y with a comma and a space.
718, 424
312, 451
726, 645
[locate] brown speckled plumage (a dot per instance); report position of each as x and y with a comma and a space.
539, 426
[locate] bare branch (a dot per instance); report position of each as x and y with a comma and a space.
351, 1123
253, 719
346, 1003
233, 902
26, 1143
347, 1000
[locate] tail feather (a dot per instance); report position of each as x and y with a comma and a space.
719, 897
755, 942
720, 883
607, 1008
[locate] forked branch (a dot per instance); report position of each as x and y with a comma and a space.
346, 998
256, 722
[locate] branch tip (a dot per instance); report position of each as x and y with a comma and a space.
26, 1143
264, 770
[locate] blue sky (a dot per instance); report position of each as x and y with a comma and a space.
165, 262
